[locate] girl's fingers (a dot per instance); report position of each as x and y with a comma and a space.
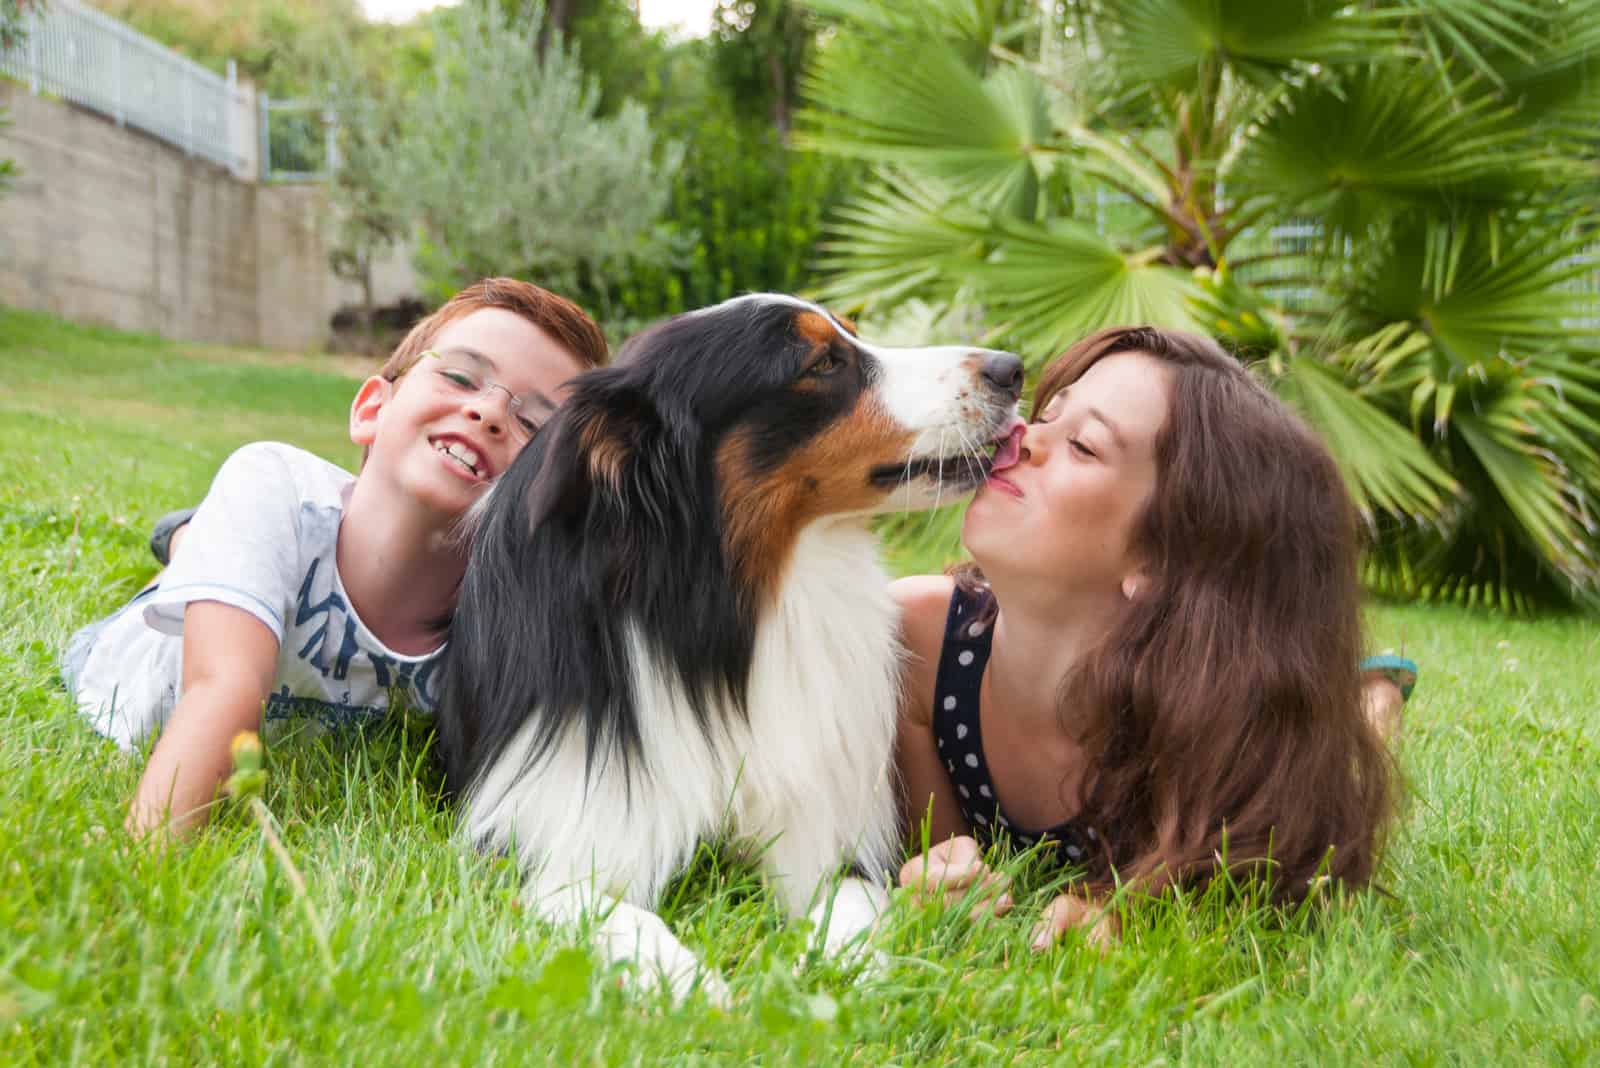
1056, 918
994, 897
990, 894
954, 864
952, 869
1070, 910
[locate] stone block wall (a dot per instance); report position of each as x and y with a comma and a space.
110, 226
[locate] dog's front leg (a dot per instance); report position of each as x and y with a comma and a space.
802, 869
844, 922
631, 934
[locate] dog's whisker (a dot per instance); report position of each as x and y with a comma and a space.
906, 477
970, 455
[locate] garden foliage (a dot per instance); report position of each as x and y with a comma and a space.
11, 36
1389, 209
744, 215
503, 165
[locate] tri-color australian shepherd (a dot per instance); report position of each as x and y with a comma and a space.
675, 626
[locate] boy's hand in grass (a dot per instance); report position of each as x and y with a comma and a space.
229, 658
952, 869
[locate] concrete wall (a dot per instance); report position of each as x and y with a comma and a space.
110, 226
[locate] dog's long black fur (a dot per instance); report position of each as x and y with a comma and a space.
564, 563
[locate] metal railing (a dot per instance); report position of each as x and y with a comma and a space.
79, 54
299, 139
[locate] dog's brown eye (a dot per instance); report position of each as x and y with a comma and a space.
827, 365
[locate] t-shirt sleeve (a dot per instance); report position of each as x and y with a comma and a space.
242, 546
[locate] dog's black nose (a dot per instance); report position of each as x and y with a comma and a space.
1004, 371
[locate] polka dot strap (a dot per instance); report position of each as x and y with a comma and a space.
957, 730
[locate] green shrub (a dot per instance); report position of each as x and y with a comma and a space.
745, 215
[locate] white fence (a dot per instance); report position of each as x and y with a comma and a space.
79, 54
299, 140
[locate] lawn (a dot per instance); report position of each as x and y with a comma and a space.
1485, 948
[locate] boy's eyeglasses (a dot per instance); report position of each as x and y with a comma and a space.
464, 373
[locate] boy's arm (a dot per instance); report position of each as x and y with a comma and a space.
229, 659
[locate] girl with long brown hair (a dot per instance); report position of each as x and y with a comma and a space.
1160, 629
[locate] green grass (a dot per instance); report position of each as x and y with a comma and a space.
1486, 952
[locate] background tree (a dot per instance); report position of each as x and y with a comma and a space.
742, 211
1387, 208
273, 42
369, 213
282, 46
11, 12
8, 167
746, 209
11, 36
504, 166
624, 59
744, 215
553, 19
759, 53
366, 72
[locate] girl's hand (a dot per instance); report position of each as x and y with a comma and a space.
953, 868
1072, 910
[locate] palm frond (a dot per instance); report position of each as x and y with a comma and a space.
899, 237
1384, 138
1085, 89
1478, 32
1535, 488
1238, 314
971, 25
1168, 42
1049, 285
1474, 563
1566, 412
1394, 195
1386, 468
1482, 294
1543, 55
1559, 86
916, 103
926, 542
1521, 436
1520, 541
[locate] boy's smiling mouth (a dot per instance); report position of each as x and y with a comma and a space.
462, 455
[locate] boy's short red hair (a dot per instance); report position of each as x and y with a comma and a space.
566, 323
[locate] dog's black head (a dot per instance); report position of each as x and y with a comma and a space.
655, 514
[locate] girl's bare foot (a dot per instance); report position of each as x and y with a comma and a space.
1386, 683
1384, 705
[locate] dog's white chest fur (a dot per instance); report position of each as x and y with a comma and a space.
806, 777
823, 701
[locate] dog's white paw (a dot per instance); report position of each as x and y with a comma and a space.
842, 929
630, 933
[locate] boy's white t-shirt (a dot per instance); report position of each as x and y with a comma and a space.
263, 541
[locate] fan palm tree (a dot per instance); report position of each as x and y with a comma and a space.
1389, 210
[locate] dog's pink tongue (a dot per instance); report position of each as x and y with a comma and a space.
1009, 450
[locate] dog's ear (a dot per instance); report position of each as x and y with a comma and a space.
615, 430
596, 445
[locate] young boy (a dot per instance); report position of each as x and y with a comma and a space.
301, 591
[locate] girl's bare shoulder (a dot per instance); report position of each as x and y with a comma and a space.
924, 602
